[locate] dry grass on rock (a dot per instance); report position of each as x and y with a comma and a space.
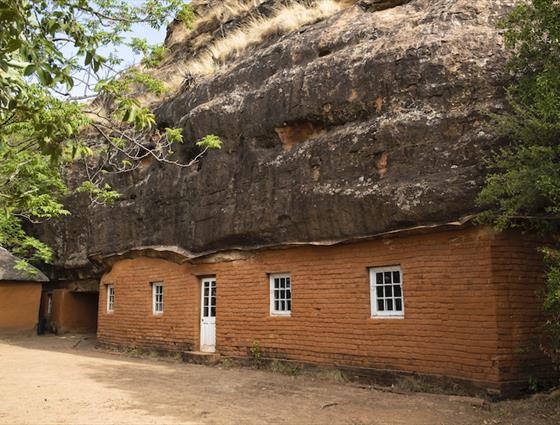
284, 19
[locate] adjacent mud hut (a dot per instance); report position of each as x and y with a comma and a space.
20, 295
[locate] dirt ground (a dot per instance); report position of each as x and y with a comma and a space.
65, 380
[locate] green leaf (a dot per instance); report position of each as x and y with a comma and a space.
45, 77
210, 142
29, 69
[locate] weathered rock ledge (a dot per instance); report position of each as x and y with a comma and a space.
363, 123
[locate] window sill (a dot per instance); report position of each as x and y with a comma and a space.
280, 315
387, 317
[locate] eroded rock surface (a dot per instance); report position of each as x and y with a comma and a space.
362, 123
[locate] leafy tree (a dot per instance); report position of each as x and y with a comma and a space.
31, 190
523, 187
66, 97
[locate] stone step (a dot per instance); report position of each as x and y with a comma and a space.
199, 357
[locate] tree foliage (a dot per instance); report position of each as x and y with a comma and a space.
31, 190
66, 97
523, 187
187, 16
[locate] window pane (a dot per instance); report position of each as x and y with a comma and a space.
205, 290
389, 305
213, 291
289, 305
388, 295
387, 277
205, 311
280, 293
213, 312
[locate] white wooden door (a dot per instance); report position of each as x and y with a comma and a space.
208, 316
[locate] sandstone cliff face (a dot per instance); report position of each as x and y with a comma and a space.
365, 122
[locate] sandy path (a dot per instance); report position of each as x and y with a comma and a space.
44, 380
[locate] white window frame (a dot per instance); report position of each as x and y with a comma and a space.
202, 298
392, 314
157, 307
110, 298
273, 311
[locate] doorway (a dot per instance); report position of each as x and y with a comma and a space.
208, 316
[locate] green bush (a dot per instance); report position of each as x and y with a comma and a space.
522, 188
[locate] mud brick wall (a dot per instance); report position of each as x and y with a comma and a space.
19, 306
517, 269
132, 321
461, 290
72, 311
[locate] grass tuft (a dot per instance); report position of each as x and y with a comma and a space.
286, 18
284, 368
226, 11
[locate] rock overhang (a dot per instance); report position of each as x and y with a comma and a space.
358, 125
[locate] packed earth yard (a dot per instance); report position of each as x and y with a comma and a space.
66, 380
